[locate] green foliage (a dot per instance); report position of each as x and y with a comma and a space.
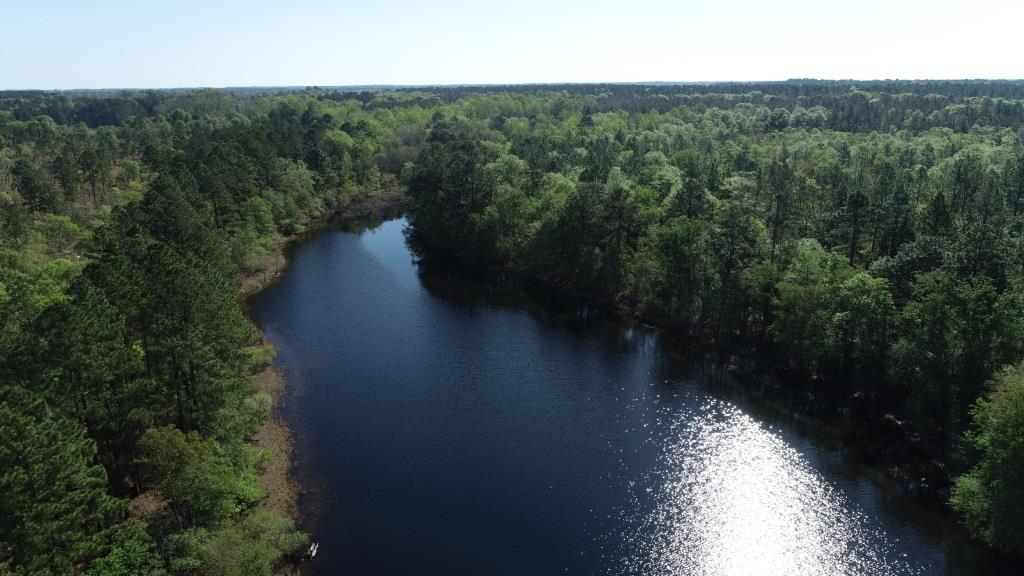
132, 555
680, 274
75, 353
55, 513
805, 301
991, 495
119, 303
450, 191
865, 243
250, 547
863, 317
196, 475
865, 240
59, 232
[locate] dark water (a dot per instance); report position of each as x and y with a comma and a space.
450, 426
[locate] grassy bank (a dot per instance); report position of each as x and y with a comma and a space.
274, 437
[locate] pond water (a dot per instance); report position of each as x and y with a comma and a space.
446, 424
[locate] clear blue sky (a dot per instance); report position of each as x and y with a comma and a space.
171, 43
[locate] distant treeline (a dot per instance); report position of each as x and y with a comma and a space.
852, 106
864, 235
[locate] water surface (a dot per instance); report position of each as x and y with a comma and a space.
446, 425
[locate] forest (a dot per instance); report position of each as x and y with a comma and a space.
862, 241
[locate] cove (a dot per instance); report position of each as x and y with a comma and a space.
448, 424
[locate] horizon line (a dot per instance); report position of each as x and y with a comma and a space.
505, 84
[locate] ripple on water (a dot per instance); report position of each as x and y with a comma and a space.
731, 497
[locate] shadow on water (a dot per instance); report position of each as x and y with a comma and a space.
449, 420
679, 366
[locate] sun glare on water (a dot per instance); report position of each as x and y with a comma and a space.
733, 498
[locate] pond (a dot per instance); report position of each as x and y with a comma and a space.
448, 424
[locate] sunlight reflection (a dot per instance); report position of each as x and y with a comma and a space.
733, 498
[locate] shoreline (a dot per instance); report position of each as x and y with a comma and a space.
278, 471
275, 436
925, 514
874, 451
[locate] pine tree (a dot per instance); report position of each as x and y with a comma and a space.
55, 513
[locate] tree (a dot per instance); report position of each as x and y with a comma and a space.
132, 555
34, 186
859, 329
447, 191
780, 186
172, 278
55, 513
504, 222
923, 356
938, 220
621, 226
195, 475
738, 242
96, 170
60, 233
681, 275
990, 496
77, 354
250, 547
805, 303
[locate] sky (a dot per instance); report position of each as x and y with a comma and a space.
66, 44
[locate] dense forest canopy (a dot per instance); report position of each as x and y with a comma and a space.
861, 239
